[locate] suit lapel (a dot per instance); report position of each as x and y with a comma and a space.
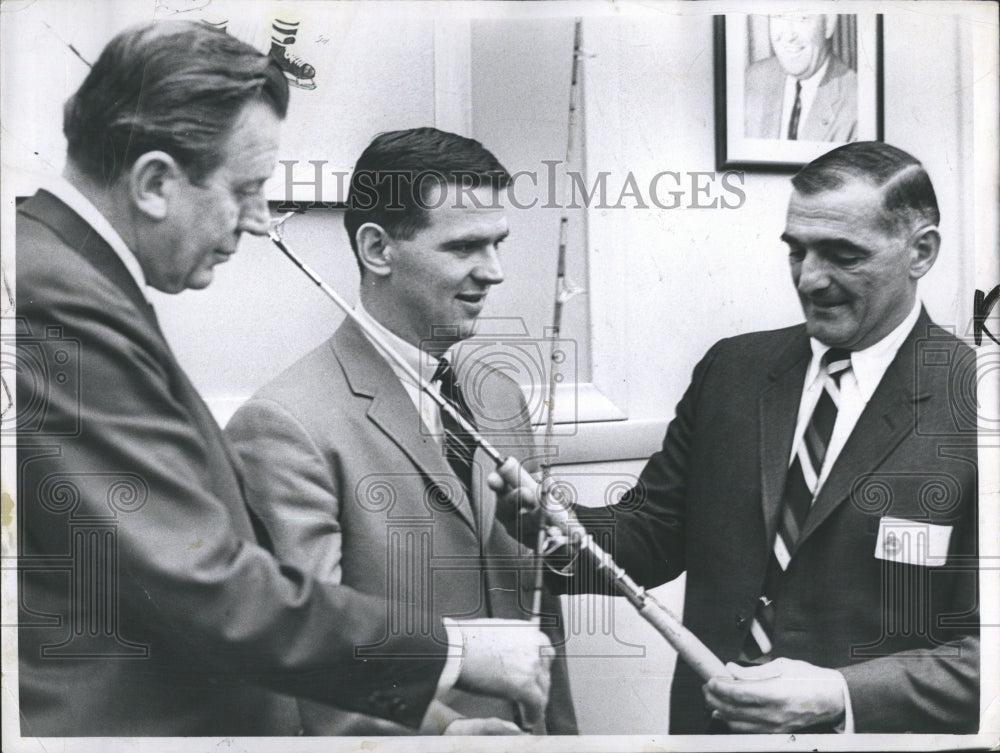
483, 498
826, 105
778, 408
885, 422
392, 411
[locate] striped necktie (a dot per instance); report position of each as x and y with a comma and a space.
801, 487
793, 121
459, 446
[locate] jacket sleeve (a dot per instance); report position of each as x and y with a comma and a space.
195, 582
645, 530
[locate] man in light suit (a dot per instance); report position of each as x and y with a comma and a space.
349, 459
818, 484
149, 602
803, 91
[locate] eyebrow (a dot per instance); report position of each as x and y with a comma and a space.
476, 239
828, 244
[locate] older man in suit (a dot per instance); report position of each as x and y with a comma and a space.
818, 484
360, 478
149, 601
803, 92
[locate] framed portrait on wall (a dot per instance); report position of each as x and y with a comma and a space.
789, 86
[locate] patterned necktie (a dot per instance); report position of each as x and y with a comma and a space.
459, 446
801, 487
793, 122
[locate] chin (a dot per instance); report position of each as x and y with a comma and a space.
831, 336
200, 281
467, 330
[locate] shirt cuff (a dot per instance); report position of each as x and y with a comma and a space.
847, 726
453, 662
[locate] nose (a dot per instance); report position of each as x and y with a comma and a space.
254, 216
811, 274
489, 271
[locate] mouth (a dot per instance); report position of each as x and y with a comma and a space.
472, 299
825, 307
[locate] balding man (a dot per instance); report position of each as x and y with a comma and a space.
818, 484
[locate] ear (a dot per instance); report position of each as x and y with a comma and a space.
152, 181
374, 249
923, 251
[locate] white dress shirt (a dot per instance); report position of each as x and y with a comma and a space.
806, 96
857, 385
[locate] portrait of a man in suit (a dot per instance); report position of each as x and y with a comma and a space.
362, 478
793, 484
803, 90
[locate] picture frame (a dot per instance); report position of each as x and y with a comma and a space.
839, 94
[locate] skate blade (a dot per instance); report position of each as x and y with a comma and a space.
301, 83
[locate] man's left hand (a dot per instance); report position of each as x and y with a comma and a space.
781, 696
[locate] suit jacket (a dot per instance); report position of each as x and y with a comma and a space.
904, 635
353, 488
832, 117
147, 604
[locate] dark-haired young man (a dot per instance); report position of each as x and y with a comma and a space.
358, 473
818, 484
149, 601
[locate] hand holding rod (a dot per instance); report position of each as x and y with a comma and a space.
687, 645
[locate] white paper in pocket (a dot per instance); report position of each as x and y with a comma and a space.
912, 542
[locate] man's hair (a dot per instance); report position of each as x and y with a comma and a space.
172, 86
394, 177
908, 198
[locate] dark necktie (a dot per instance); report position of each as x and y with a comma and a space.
459, 446
801, 487
793, 122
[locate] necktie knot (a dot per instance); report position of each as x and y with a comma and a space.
836, 362
446, 376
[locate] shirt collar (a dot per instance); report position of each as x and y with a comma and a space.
869, 365
70, 195
420, 361
812, 83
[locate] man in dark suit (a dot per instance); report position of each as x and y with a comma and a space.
149, 602
803, 92
350, 465
818, 484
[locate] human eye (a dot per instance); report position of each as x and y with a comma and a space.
847, 257
250, 190
463, 247
796, 251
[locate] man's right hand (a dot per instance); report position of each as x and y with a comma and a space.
509, 659
518, 500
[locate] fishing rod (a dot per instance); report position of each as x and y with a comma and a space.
688, 646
